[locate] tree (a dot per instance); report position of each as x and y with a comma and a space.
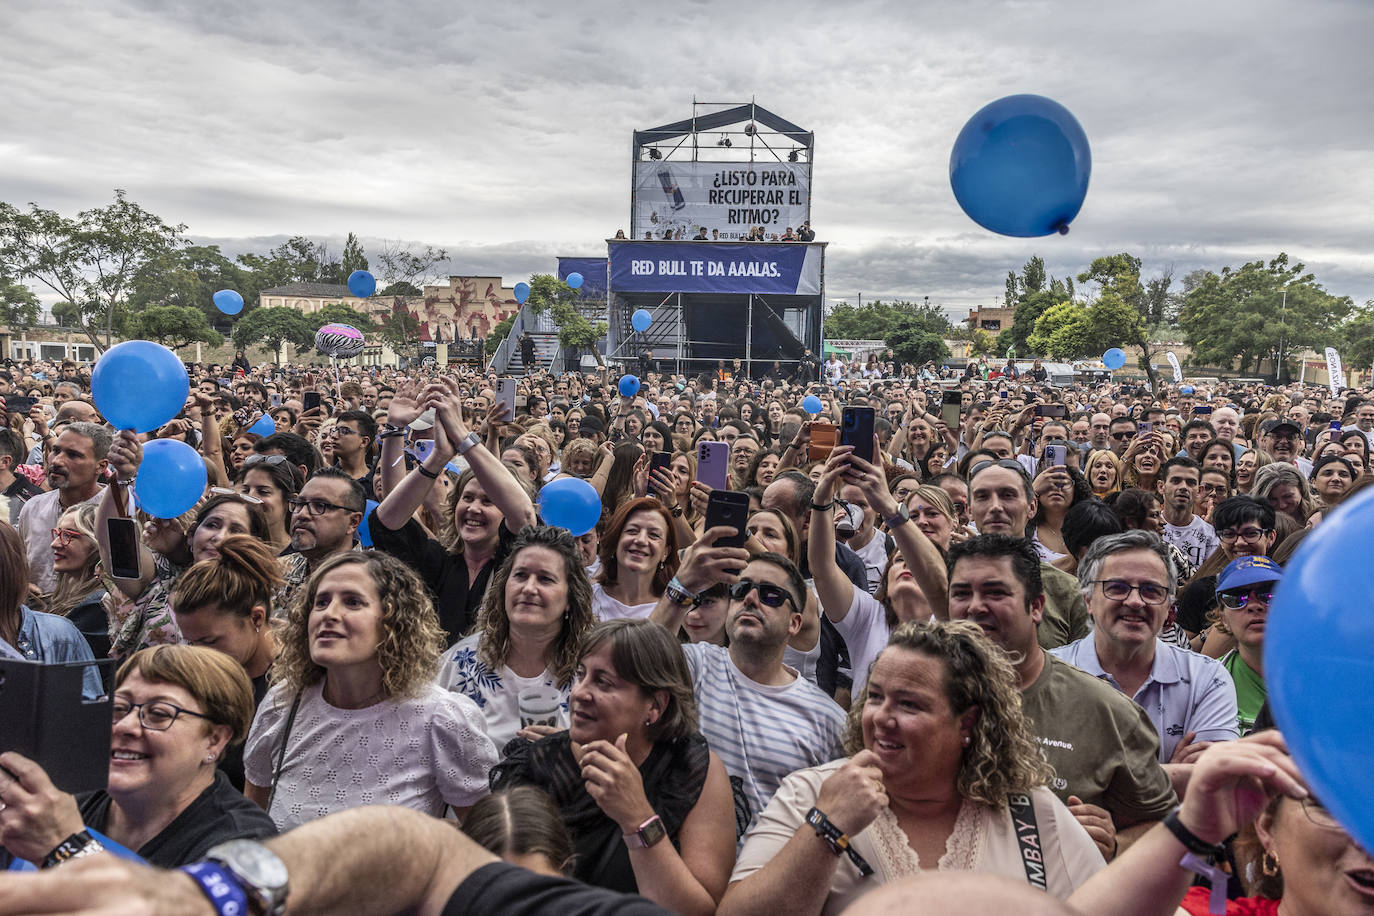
1357, 337
353, 259
19, 307
274, 326
188, 277
498, 334
1028, 311
407, 269
878, 319
575, 332
1260, 311
1160, 305
1064, 331
66, 315
1119, 313
173, 326
400, 330
91, 260
297, 260
338, 313
912, 343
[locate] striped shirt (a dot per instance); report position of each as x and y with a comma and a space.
761, 733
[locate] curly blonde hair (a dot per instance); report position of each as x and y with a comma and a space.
411, 636
1002, 757
494, 643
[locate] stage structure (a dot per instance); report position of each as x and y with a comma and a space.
719, 174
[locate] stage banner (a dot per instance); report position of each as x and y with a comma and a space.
702, 267
1173, 364
728, 198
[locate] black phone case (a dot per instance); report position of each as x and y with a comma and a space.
726, 507
856, 429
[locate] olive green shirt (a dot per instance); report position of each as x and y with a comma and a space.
1101, 745
1066, 615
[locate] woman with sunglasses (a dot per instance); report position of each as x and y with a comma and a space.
274, 481
647, 804
176, 710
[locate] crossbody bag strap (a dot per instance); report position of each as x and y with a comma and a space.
281, 751
1028, 838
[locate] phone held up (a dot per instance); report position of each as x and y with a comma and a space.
713, 464
728, 508
856, 429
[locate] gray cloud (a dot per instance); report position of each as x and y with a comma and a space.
1222, 132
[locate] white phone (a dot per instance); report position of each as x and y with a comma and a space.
505, 394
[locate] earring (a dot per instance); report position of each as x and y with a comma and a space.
967, 741
209, 758
1269, 864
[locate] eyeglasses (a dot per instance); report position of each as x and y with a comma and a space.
1234, 601
316, 506
64, 536
770, 594
157, 715
225, 491
269, 460
1213, 487
1150, 592
341, 431
1244, 534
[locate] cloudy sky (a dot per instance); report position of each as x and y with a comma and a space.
1222, 131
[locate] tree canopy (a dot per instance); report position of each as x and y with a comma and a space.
273, 327
172, 326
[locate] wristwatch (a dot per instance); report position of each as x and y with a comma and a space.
648, 833
902, 517
467, 444
258, 870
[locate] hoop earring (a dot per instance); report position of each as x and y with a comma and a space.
1269, 864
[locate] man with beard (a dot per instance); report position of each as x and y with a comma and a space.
324, 519
1179, 479
1283, 439
1102, 746
75, 467
763, 719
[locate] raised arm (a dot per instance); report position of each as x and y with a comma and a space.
502, 488
832, 585
124, 457
703, 565
403, 411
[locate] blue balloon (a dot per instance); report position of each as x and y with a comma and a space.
264, 427
571, 503
641, 320
1020, 166
812, 404
1319, 662
1114, 358
362, 284
139, 385
364, 532
629, 386
522, 292
171, 478
228, 301
575, 280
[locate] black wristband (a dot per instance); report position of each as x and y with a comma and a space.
837, 840
426, 472
822, 507
74, 846
1191, 841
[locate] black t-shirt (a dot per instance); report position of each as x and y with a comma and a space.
833, 667
232, 760
22, 488
513, 891
1195, 601
445, 574
218, 814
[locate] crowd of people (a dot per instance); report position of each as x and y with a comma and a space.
1026, 645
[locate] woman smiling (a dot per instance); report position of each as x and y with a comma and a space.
638, 559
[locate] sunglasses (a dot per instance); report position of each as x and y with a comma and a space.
769, 594
269, 460
225, 491
1234, 601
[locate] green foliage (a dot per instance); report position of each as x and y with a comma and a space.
66, 315
338, 313
19, 307
1119, 315
877, 320
402, 288
406, 269
1357, 337
575, 332
400, 330
1063, 331
188, 278
912, 343
297, 260
1028, 311
89, 260
172, 326
273, 327
1259, 311
353, 259
498, 334
1006, 342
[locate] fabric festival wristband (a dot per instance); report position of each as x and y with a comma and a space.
837, 840
220, 887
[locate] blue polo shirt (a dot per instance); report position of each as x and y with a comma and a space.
1185, 692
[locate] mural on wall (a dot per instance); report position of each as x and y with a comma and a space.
468, 307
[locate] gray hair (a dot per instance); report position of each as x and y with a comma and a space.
1090, 567
100, 436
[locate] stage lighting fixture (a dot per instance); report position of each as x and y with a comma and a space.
724, 141
654, 153
749, 129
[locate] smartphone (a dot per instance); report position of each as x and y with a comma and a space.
1335, 424
123, 536
422, 448
659, 460
1144, 427
225, 383
1202, 410
1055, 455
275, 400
505, 394
713, 464
1003, 394
725, 507
1055, 411
823, 438
19, 405
311, 400
950, 405
856, 429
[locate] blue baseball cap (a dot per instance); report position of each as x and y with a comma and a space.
1243, 572
1186, 389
